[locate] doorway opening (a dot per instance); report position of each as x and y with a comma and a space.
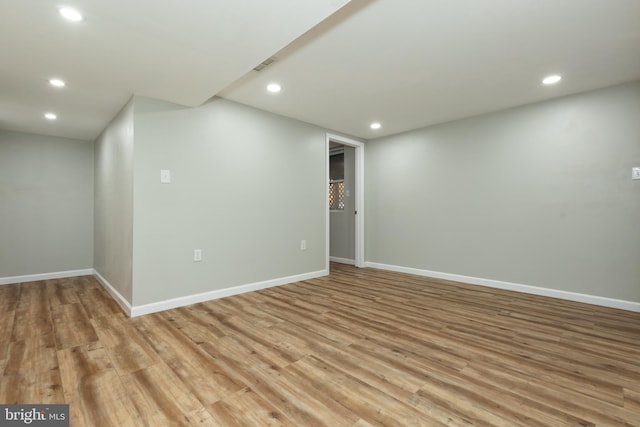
345, 201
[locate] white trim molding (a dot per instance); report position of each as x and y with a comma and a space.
528, 289
45, 276
359, 187
342, 260
122, 301
139, 310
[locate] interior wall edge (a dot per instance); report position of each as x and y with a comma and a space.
117, 296
45, 276
342, 260
182, 301
517, 287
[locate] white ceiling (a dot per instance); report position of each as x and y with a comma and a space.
183, 51
412, 63
404, 63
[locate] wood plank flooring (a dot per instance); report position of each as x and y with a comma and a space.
360, 348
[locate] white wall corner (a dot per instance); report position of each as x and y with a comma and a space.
528, 289
45, 276
122, 301
139, 310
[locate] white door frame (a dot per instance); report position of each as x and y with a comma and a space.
359, 175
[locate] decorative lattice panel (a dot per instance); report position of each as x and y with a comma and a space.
336, 195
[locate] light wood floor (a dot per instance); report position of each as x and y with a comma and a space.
358, 348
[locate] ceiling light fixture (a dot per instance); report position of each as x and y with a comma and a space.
274, 87
50, 116
549, 80
71, 14
56, 82
375, 125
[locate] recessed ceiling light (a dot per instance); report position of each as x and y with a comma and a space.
549, 80
375, 125
71, 14
273, 87
50, 116
56, 82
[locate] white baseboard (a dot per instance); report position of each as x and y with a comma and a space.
528, 289
342, 260
122, 301
139, 310
45, 276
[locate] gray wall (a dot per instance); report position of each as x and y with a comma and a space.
342, 223
113, 218
539, 195
46, 204
246, 187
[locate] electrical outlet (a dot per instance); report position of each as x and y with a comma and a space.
303, 245
165, 176
197, 255
635, 173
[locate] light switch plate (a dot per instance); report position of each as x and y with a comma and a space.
635, 173
165, 176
